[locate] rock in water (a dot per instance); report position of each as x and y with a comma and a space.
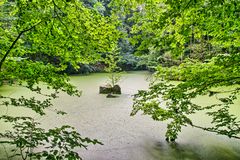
111, 96
116, 89
105, 89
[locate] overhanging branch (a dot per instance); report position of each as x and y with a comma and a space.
214, 131
15, 41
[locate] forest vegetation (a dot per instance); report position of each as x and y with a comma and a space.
196, 43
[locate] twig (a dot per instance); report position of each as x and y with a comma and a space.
55, 6
207, 129
5, 150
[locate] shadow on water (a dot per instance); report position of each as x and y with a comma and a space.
177, 151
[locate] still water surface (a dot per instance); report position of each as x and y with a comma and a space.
125, 137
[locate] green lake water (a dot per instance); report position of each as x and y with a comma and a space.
125, 137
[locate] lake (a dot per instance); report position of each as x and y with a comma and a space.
125, 137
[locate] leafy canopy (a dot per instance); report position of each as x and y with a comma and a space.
204, 36
38, 38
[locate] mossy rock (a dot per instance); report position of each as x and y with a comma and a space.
105, 89
108, 89
116, 89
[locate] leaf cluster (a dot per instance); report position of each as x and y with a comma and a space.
56, 143
66, 32
175, 102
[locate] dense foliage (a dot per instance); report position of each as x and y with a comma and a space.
38, 39
201, 38
173, 30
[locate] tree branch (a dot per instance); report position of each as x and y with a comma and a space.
207, 129
15, 41
55, 6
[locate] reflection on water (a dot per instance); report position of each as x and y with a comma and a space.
130, 138
177, 151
